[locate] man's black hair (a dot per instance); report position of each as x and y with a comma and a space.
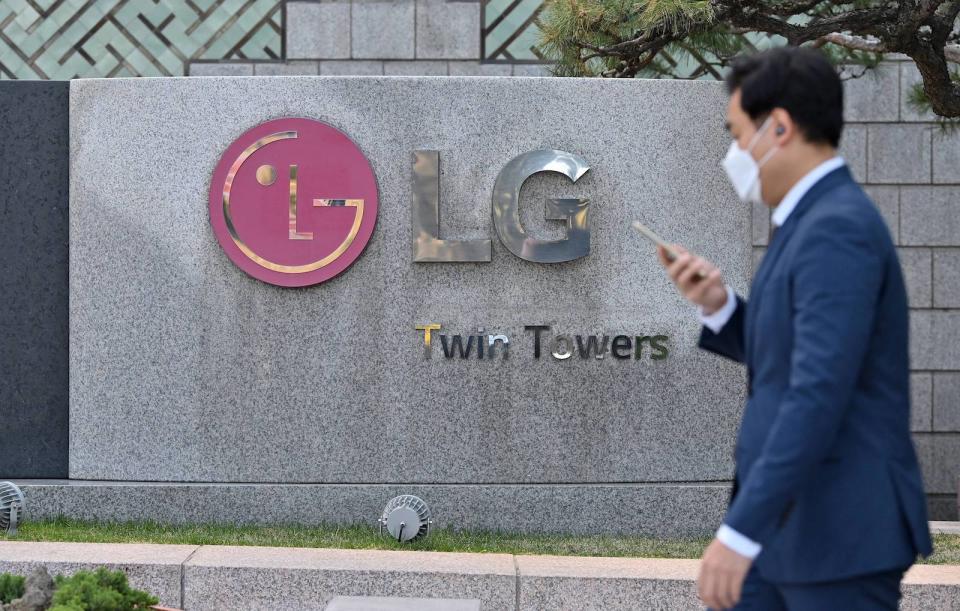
799, 80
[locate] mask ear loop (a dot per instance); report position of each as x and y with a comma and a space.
759, 133
769, 153
767, 157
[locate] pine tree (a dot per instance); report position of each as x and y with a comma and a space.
699, 38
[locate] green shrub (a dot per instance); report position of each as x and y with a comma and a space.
102, 590
11, 587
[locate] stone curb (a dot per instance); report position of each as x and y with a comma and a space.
219, 577
158, 569
945, 528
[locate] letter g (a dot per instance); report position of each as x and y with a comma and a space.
506, 213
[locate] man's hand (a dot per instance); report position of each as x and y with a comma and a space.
708, 291
722, 572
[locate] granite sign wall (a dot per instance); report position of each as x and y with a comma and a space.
186, 369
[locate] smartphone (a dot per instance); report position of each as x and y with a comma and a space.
653, 237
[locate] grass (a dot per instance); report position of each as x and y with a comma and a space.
947, 547
357, 537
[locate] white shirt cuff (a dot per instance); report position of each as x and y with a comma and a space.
747, 548
718, 319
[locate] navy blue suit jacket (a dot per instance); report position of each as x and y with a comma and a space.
827, 476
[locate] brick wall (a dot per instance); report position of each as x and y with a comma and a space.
372, 37
910, 166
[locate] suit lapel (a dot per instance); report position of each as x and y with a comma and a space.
782, 235
778, 243
774, 249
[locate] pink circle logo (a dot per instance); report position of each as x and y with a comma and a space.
293, 202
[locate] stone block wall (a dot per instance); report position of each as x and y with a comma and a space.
378, 37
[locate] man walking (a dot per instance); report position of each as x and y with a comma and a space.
828, 509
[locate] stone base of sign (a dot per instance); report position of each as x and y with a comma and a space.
229, 577
656, 510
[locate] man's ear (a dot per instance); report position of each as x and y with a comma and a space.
784, 127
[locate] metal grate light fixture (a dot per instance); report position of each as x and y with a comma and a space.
11, 507
406, 518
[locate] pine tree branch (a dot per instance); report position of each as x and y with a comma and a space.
788, 9
757, 17
854, 43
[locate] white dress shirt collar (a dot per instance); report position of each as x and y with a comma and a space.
796, 193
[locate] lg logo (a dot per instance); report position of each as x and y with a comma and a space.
293, 202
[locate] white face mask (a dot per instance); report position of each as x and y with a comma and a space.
743, 171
